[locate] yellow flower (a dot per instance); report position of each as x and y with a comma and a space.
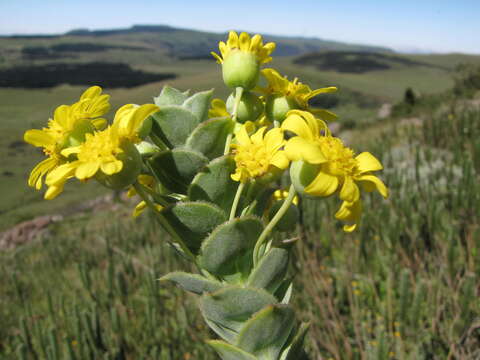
259, 154
69, 125
241, 58
218, 108
131, 121
284, 95
337, 166
245, 44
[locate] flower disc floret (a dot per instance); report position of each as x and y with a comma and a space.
258, 155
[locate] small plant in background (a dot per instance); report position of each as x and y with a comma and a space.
212, 178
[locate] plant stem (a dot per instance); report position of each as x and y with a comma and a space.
238, 96
141, 192
236, 199
268, 229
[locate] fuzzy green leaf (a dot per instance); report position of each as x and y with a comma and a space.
170, 96
198, 104
209, 137
176, 168
271, 270
294, 350
229, 352
265, 334
232, 306
192, 282
173, 125
193, 221
214, 183
230, 246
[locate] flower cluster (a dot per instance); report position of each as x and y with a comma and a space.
211, 173
321, 165
79, 143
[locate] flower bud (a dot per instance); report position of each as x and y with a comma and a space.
302, 174
249, 108
77, 136
277, 107
147, 149
132, 165
241, 69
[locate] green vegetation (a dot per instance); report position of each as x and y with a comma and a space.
405, 286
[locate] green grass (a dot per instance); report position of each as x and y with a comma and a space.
402, 287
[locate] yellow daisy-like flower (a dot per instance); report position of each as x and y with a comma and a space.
284, 95
106, 151
69, 125
246, 44
259, 154
338, 168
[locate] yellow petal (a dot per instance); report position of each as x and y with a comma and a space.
280, 160
255, 43
87, 170
297, 124
274, 140
349, 191
62, 117
61, 173
39, 138
351, 213
257, 138
53, 191
244, 41
112, 167
71, 150
367, 162
217, 57
371, 182
41, 169
139, 208
99, 123
91, 92
232, 41
320, 91
298, 148
323, 185
242, 137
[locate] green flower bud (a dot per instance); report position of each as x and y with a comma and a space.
241, 69
302, 174
77, 136
132, 165
277, 107
147, 149
249, 108
288, 220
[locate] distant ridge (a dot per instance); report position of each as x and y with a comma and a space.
190, 43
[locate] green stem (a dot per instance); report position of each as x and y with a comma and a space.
233, 211
238, 97
141, 192
268, 229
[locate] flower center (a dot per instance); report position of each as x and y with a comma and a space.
252, 158
341, 160
100, 145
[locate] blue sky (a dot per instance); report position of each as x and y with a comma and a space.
440, 26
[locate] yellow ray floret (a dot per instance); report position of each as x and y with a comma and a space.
218, 108
300, 93
244, 43
259, 154
339, 168
82, 116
